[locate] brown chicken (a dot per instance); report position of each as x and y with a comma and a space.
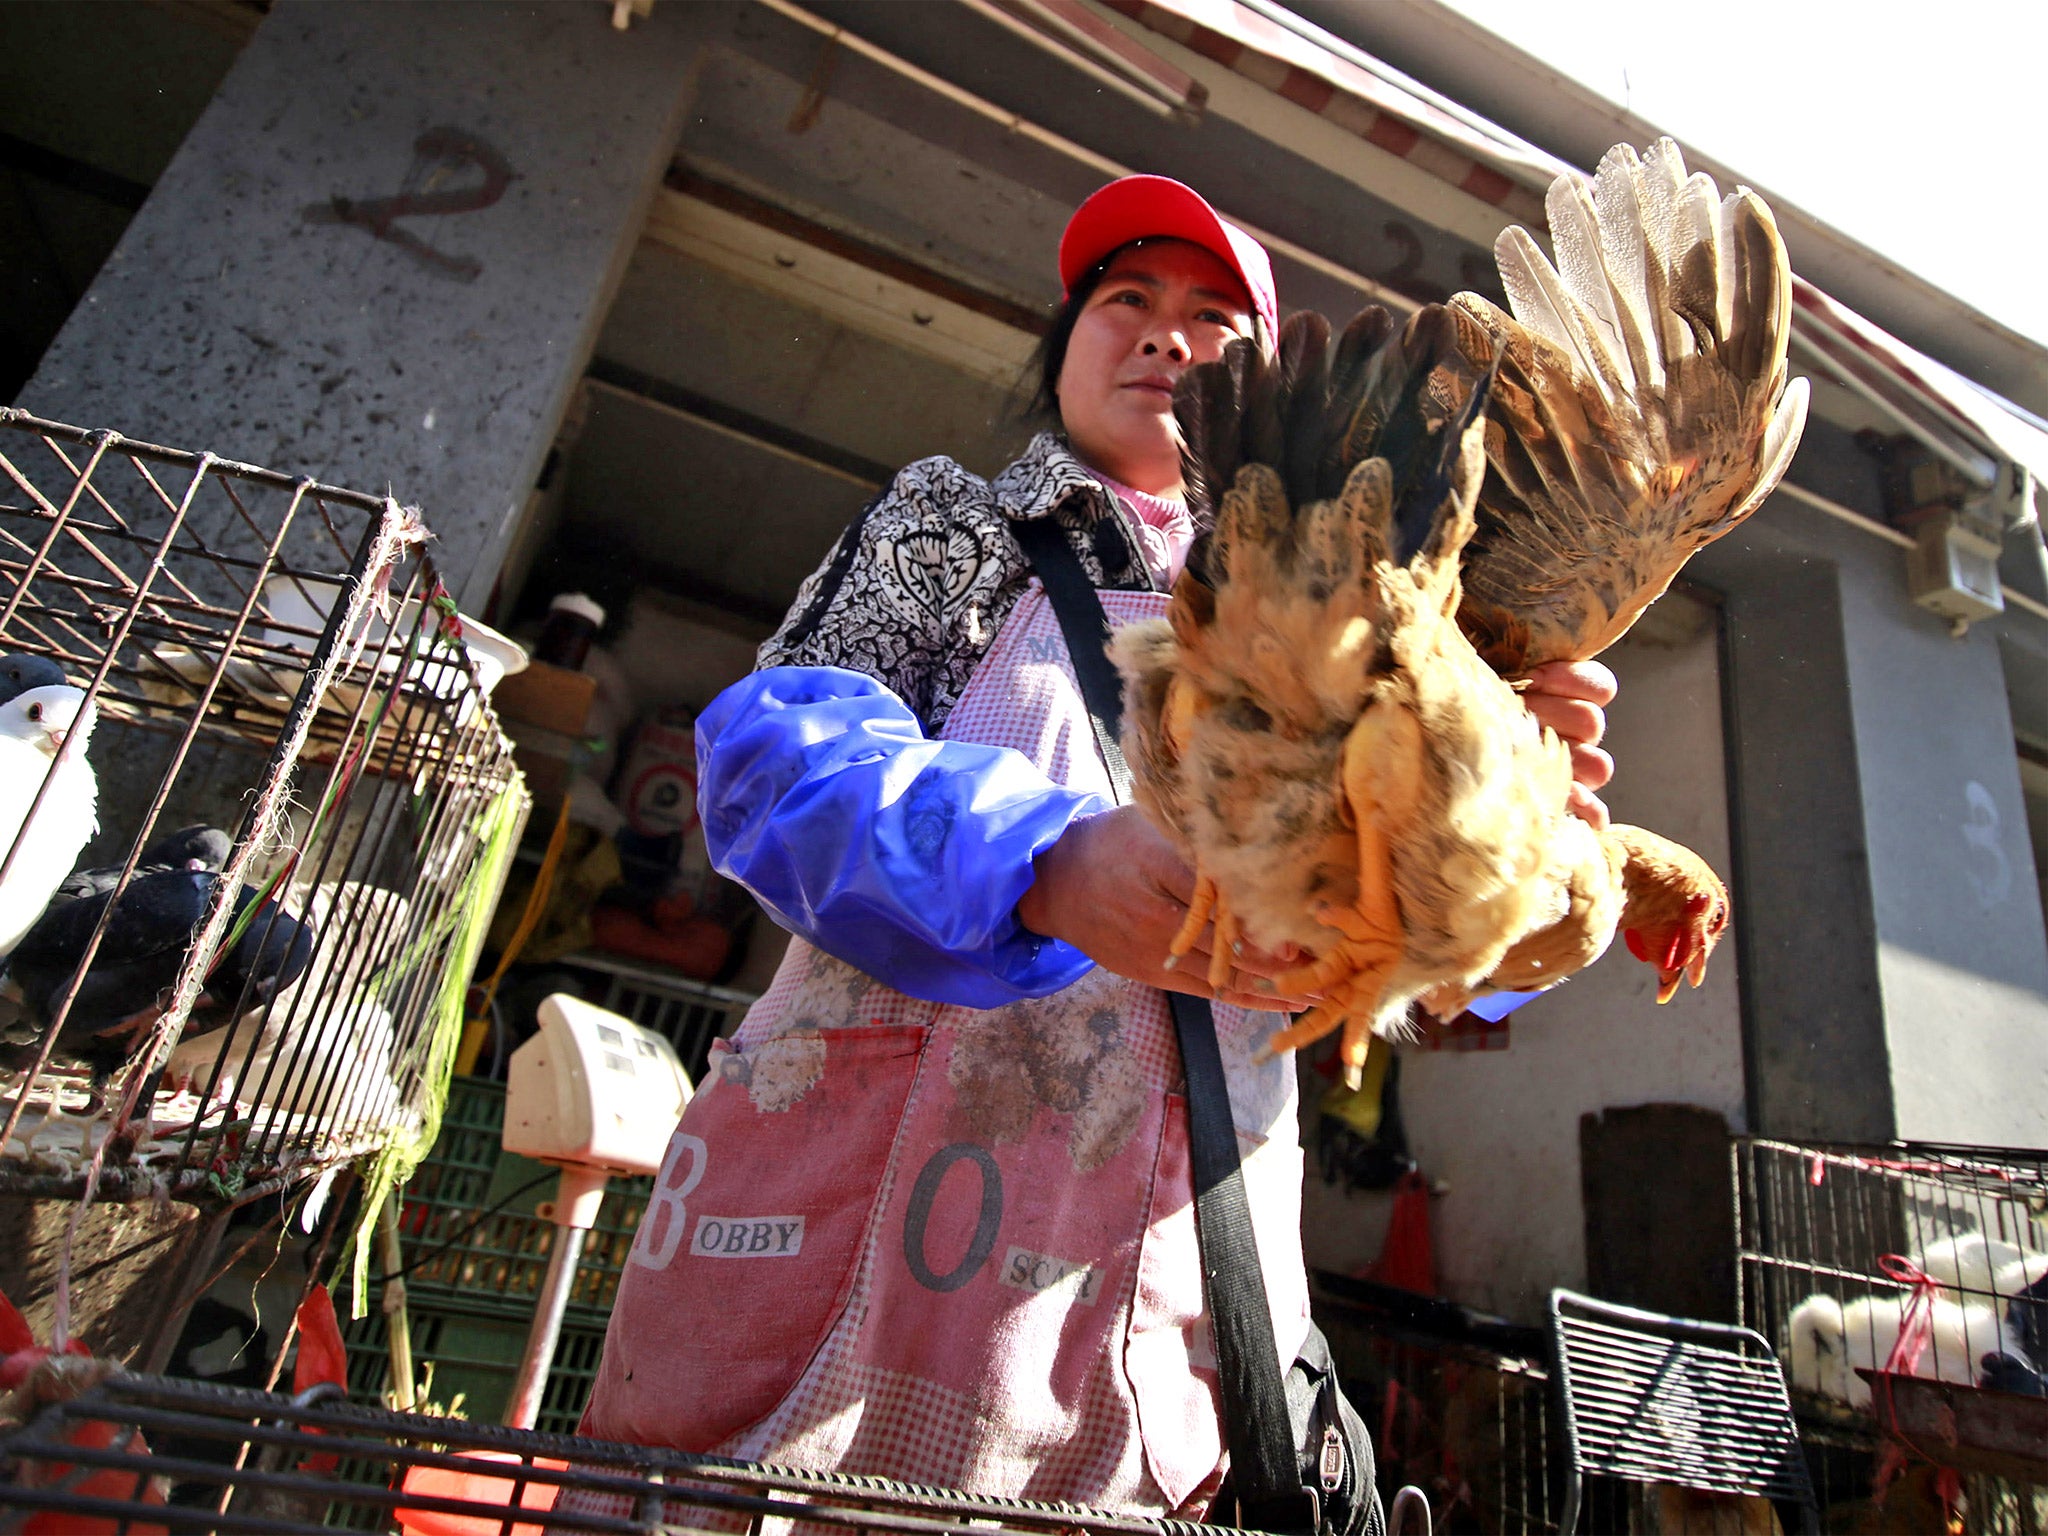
1325, 723
1642, 408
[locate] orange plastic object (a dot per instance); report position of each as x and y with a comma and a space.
478, 1487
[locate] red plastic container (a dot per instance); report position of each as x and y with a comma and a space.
478, 1487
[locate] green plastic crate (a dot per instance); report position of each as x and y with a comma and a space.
495, 1265
476, 1357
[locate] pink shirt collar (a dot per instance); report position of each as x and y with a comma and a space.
1164, 528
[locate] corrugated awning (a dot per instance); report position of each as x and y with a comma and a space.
1974, 428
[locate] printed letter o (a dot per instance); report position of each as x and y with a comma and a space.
926, 1190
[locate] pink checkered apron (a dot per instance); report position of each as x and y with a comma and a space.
953, 1246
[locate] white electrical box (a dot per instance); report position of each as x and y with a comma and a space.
1952, 568
593, 1090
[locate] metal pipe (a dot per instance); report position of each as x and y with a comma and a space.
1892, 535
1159, 104
547, 1329
1972, 470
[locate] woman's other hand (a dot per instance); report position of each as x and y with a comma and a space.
1569, 697
1114, 889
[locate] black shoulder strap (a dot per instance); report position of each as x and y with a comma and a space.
1086, 628
1264, 1465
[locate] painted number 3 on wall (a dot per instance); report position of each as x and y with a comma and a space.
1990, 870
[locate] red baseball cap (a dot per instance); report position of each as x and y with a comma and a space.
1142, 207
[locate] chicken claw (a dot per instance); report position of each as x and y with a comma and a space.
1352, 1006
1200, 905
1207, 903
1363, 948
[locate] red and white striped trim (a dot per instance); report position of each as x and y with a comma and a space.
1333, 88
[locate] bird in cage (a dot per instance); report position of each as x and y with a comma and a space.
1978, 1266
44, 733
326, 1043
1404, 521
127, 983
2026, 1314
36, 1377
1828, 1342
188, 848
20, 672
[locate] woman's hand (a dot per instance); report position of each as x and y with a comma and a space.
1569, 696
1114, 889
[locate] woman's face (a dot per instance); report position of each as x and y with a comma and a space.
1161, 307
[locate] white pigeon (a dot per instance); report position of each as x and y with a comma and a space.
1827, 1342
337, 1059
43, 734
286, 1054
1966, 1262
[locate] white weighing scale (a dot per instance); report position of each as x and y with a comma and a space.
595, 1095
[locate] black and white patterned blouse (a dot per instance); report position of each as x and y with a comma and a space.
922, 579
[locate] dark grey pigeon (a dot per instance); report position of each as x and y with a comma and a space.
20, 672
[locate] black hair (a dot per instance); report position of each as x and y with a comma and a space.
1051, 356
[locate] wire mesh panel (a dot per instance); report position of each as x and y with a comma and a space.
1818, 1222
1839, 1246
1458, 1404
256, 815
248, 1461
1661, 1400
691, 1014
467, 1360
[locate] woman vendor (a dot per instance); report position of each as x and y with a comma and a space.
929, 1215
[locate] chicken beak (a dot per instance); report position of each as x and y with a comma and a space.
1696, 968
1667, 984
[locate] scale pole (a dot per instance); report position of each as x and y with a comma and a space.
574, 1212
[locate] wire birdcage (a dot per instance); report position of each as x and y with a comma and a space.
238, 1460
1459, 1405
277, 660
1835, 1240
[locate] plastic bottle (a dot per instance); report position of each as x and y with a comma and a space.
572, 623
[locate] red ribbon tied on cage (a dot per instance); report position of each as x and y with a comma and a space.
1916, 1323
1916, 1328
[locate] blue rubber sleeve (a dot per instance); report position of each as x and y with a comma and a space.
1496, 1006
820, 793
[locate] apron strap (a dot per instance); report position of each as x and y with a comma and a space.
1085, 626
1264, 1466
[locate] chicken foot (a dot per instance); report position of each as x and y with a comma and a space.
1365, 956
1352, 976
1207, 904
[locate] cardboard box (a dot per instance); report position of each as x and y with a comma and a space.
554, 698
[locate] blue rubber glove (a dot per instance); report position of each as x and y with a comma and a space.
906, 857
1496, 1006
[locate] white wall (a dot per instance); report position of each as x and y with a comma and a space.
1501, 1128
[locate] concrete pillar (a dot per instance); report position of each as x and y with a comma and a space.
1896, 974
383, 253
1961, 955
1812, 1006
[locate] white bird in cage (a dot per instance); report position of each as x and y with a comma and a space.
43, 734
327, 1045
303, 1057
1829, 1342
1981, 1266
